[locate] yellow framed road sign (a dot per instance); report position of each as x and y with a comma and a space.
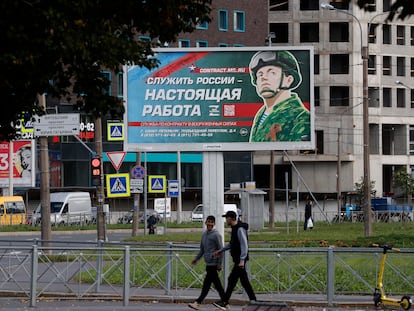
157, 184
117, 185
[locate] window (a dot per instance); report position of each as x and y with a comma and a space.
373, 97
412, 67
202, 26
400, 66
239, 21
317, 96
201, 43
309, 5
120, 85
340, 4
386, 5
386, 34
411, 139
309, 32
370, 6
338, 32
400, 98
319, 142
372, 64
386, 97
400, 35
183, 43
386, 65
223, 23
412, 35
339, 64
281, 32
339, 96
412, 98
107, 75
373, 33
223, 45
278, 5
316, 64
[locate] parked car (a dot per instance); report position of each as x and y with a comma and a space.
197, 213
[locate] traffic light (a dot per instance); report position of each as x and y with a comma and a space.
96, 167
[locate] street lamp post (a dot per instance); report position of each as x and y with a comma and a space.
365, 120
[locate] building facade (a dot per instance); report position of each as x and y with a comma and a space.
338, 36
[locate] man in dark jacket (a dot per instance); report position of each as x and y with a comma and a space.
152, 223
239, 252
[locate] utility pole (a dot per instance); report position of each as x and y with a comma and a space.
135, 218
271, 36
46, 230
100, 215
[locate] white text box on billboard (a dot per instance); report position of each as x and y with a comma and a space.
217, 99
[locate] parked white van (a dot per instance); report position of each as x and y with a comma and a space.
197, 213
67, 208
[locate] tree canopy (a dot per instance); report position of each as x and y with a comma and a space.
399, 9
60, 47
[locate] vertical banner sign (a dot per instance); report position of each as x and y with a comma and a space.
222, 99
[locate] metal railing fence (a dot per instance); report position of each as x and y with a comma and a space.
127, 271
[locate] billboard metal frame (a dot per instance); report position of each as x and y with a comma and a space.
205, 99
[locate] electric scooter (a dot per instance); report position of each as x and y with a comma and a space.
379, 294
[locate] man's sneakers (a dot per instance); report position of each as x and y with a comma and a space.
221, 305
194, 305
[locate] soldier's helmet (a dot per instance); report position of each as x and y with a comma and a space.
283, 59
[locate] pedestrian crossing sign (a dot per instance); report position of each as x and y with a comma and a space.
157, 184
115, 131
117, 185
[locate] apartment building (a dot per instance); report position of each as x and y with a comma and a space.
338, 36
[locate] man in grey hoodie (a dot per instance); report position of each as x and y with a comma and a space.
211, 241
239, 251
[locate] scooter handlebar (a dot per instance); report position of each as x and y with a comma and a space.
386, 247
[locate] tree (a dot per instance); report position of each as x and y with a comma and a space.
60, 47
404, 182
406, 11
360, 188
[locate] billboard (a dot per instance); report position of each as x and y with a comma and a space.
221, 99
21, 164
